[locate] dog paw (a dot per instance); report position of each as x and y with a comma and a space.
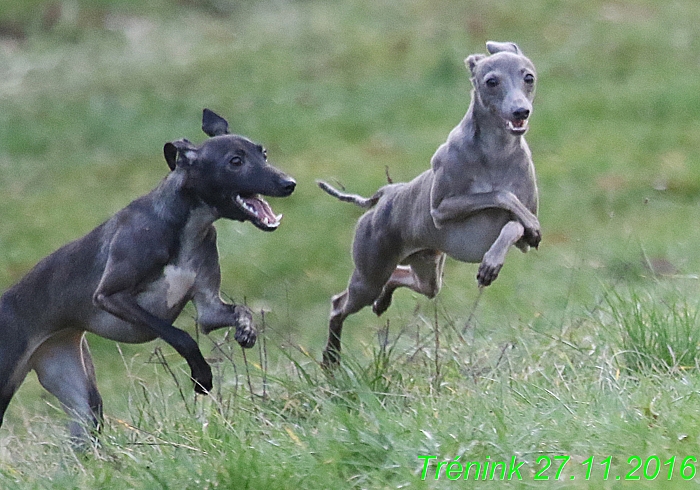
532, 233
203, 380
532, 237
381, 304
487, 273
246, 333
331, 360
522, 245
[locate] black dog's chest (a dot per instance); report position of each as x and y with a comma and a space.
172, 285
166, 294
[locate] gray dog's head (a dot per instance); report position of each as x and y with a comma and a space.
504, 84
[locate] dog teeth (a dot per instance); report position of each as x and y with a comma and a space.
517, 126
246, 206
270, 223
264, 218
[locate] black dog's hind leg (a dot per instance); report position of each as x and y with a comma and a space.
13, 366
64, 367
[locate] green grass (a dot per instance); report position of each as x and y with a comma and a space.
655, 332
587, 347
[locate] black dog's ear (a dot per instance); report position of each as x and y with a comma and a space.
494, 47
213, 124
178, 151
472, 60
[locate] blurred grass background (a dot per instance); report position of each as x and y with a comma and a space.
91, 90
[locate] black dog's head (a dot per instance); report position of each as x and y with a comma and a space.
230, 173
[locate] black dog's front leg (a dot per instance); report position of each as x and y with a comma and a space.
212, 312
123, 306
214, 316
123, 274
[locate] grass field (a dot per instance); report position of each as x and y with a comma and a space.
583, 350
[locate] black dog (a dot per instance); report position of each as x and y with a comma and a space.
129, 278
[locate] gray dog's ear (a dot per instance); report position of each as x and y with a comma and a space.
213, 124
472, 60
178, 151
494, 47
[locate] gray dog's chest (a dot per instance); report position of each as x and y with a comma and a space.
471, 173
164, 296
516, 175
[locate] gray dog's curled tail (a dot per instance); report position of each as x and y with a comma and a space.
357, 200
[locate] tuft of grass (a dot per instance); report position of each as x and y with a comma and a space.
654, 330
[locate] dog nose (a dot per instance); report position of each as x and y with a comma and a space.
521, 114
289, 185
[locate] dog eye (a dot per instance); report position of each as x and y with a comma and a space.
236, 161
492, 82
529, 79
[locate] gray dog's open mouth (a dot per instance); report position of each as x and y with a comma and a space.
516, 126
259, 212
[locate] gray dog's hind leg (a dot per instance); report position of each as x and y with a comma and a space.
421, 272
64, 367
331, 354
360, 293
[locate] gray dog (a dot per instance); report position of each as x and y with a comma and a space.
477, 200
129, 278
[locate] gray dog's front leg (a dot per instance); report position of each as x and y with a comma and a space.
461, 207
496, 255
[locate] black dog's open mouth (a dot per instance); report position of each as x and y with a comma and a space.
517, 126
259, 212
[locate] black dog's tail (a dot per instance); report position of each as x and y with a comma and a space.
363, 202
